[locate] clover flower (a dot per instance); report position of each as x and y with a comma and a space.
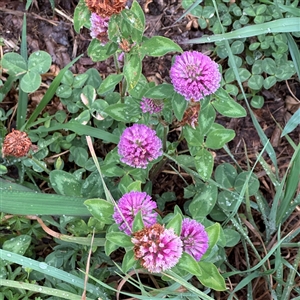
194, 238
99, 27
129, 205
159, 249
151, 106
17, 144
139, 145
194, 75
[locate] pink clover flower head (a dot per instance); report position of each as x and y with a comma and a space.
194, 238
194, 75
99, 27
139, 145
158, 249
151, 106
129, 205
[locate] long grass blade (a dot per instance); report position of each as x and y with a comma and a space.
280, 25
39, 289
50, 271
31, 203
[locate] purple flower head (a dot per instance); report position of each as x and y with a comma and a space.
151, 106
139, 145
129, 205
194, 238
99, 27
194, 75
159, 249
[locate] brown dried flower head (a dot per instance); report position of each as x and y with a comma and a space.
16, 144
191, 114
106, 8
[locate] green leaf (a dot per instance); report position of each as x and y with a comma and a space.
210, 276
193, 137
213, 233
39, 62
138, 223
159, 46
226, 106
98, 52
227, 201
30, 82
232, 237
119, 112
175, 223
203, 202
65, 183
138, 11
17, 244
14, 63
160, 91
188, 263
225, 175
179, 105
253, 183
132, 71
109, 83
269, 82
135, 23
128, 261
255, 82
81, 16
206, 118
204, 163
216, 139
101, 209
119, 238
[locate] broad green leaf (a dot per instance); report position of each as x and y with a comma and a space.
119, 112
120, 239
138, 223
18, 244
129, 261
203, 202
65, 183
227, 201
81, 16
30, 82
226, 106
225, 175
193, 136
253, 183
206, 118
14, 63
232, 237
135, 23
98, 52
188, 263
159, 46
138, 11
109, 83
179, 105
175, 223
216, 139
210, 276
213, 235
39, 62
204, 163
255, 82
161, 91
101, 209
132, 71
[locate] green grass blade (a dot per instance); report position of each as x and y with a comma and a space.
49, 94
294, 51
280, 25
189, 9
40, 289
292, 183
44, 268
82, 130
31, 203
292, 123
23, 97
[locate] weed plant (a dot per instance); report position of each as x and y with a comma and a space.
94, 208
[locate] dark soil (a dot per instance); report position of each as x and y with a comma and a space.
53, 32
